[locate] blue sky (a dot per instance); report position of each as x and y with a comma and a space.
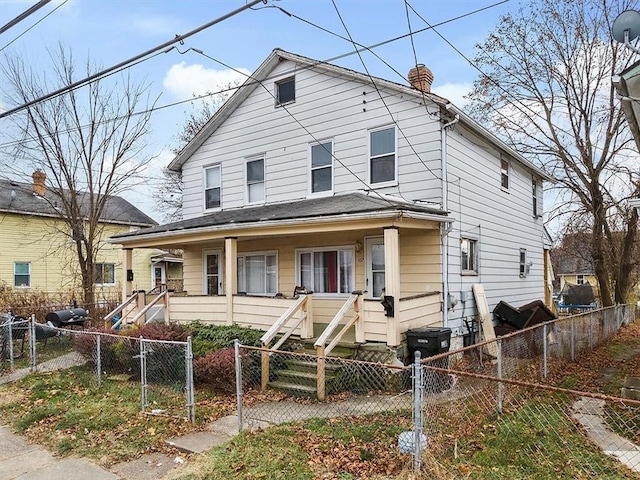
110, 31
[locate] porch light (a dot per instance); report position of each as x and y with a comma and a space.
358, 246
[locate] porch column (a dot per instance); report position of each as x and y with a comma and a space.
127, 266
392, 281
230, 274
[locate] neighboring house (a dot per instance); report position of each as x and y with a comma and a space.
37, 251
312, 175
572, 262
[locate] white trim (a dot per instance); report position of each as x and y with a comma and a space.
205, 253
388, 183
163, 274
476, 256
247, 160
329, 192
114, 274
14, 275
267, 253
368, 243
204, 187
276, 97
336, 248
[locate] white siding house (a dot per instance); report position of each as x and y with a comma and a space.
316, 176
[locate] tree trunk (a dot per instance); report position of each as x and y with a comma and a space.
627, 259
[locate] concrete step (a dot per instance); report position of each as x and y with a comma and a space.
294, 389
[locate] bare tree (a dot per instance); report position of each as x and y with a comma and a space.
547, 90
89, 142
168, 198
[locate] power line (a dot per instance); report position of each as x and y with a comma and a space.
23, 15
32, 26
380, 94
89, 79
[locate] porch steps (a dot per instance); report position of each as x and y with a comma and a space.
299, 379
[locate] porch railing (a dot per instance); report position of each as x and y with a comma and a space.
322, 349
163, 296
119, 309
302, 305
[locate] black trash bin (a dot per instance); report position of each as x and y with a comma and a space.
430, 341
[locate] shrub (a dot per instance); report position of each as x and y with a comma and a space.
208, 338
114, 354
160, 331
217, 369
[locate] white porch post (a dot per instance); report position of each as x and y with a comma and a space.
392, 281
230, 274
127, 265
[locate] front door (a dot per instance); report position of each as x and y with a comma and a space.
375, 266
158, 276
212, 272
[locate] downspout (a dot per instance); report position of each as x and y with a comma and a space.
445, 229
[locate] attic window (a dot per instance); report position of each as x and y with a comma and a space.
504, 173
286, 91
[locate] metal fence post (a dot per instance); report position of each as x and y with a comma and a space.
417, 412
32, 344
545, 351
98, 360
500, 386
143, 374
190, 400
236, 347
11, 343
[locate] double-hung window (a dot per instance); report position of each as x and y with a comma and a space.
382, 155
322, 167
524, 266
286, 91
104, 273
22, 274
255, 180
258, 273
327, 270
504, 174
468, 256
212, 183
579, 279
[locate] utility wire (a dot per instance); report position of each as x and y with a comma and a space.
28, 29
89, 79
380, 94
23, 15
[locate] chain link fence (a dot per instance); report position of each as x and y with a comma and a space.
488, 409
161, 371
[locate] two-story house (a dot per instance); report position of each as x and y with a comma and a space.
317, 177
37, 252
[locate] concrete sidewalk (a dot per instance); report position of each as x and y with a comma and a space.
24, 461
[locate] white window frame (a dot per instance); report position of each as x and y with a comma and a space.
523, 264
338, 249
276, 93
266, 254
248, 160
474, 257
505, 173
395, 156
15, 264
205, 253
205, 188
102, 284
331, 167
580, 279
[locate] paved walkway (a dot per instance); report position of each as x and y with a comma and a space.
24, 461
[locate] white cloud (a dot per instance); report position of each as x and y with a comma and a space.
454, 92
183, 80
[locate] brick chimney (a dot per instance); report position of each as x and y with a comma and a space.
421, 78
38, 182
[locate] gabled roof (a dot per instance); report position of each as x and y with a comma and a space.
18, 198
268, 66
300, 211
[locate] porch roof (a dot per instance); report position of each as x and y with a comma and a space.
351, 206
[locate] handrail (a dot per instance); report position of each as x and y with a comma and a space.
119, 309
148, 307
282, 321
322, 339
